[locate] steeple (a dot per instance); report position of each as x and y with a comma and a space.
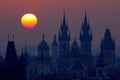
11, 55
43, 37
69, 35
108, 48
43, 44
107, 40
85, 24
85, 33
107, 35
64, 43
54, 43
86, 42
64, 18
59, 36
85, 18
63, 33
54, 37
25, 54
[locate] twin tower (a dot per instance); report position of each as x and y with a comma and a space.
64, 55
68, 53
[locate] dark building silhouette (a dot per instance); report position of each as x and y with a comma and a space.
107, 54
13, 68
54, 54
64, 46
43, 62
66, 61
86, 43
75, 51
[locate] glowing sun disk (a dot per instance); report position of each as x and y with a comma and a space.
29, 20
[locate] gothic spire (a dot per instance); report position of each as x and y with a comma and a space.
54, 37
85, 24
54, 41
107, 40
43, 37
107, 34
85, 18
64, 18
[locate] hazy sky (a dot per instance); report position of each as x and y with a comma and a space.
101, 14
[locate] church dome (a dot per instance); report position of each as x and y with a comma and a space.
43, 45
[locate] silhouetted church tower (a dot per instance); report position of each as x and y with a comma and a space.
43, 66
64, 44
55, 54
64, 38
11, 55
14, 69
86, 40
108, 48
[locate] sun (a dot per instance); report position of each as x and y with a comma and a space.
29, 20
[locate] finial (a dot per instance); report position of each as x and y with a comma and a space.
85, 14
64, 17
64, 10
108, 28
43, 36
54, 37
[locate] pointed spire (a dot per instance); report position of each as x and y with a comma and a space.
85, 18
54, 43
43, 36
69, 34
54, 37
85, 24
59, 36
107, 34
64, 18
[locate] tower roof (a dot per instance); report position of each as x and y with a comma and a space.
85, 24
107, 34
54, 43
107, 41
63, 33
11, 55
43, 45
85, 33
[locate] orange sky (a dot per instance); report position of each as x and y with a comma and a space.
101, 14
